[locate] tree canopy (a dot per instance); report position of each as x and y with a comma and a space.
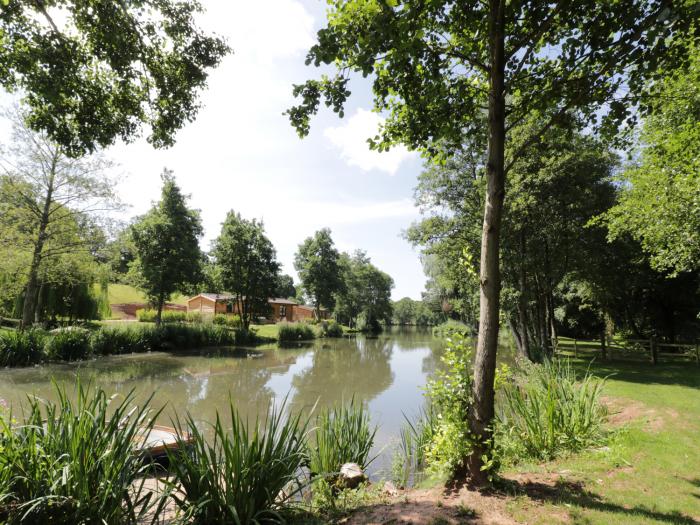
247, 265
166, 241
91, 72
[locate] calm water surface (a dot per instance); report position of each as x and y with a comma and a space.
388, 373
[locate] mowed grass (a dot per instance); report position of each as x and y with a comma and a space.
123, 293
649, 474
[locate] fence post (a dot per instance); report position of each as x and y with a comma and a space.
653, 350
575, 349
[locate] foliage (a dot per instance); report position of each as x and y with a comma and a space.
233, 321
331, 329
317, 263
151, 58
450, 328
366, 293
291, 332
342, 434
69, 344
248, 265
243, 475
167, 316
658, 203
450, 395
285, 287
547, 411
52, 208
166, 239
21, 348
75, 461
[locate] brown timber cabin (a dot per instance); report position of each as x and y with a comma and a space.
280, 309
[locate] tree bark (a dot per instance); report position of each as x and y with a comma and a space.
159, 313
522, 305
482, 410
29, 306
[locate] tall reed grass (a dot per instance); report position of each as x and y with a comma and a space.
343, 434
548, 411
21, 348
245, 475
68, 344
415, 438
75, 461
293, 332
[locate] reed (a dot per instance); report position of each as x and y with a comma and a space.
68, 344
343, 434
292, 332
76, 461
549, 411
244, 475
21, 348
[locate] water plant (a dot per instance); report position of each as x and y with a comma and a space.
68, 344
244, 475
21, 348
415, 439
76, 461
342, 434
331, 329
292, 332
547, 411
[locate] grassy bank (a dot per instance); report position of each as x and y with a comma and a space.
123, 293
647, 473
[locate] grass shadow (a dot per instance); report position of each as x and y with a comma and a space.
575, 494
683, 374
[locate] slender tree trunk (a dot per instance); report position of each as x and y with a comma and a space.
522, 303
159, 312
29, 306
39, 304
482, 411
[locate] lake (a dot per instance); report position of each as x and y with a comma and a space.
387, 372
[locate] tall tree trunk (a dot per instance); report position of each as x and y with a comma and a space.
159, 312
39, 304
482, 411
29, 306
522, 303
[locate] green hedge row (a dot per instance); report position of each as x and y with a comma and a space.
71, 344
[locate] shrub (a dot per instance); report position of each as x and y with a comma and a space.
451, 397
233, 321
194, 317
166, 316
140, 339
342, 435
450, 328
331, 329
21, 348
69, 344
291, 332
245, 475
75, 462
546, 411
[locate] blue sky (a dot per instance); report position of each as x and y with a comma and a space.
242, 154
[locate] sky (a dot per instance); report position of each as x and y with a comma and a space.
242, 154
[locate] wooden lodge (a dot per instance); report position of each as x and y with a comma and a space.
280, 309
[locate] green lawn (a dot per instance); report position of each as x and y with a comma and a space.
651, 471
123, 293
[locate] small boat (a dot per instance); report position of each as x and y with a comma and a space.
154, 445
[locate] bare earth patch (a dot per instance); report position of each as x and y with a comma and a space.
624, 411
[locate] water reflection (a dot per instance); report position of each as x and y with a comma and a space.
387, 372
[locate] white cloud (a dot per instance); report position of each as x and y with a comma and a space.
351, 139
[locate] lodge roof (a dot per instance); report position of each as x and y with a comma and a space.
217, 297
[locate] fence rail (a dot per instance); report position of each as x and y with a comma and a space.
649, 348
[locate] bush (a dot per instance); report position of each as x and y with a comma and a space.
21, 348
140, 339
331, 329
450, 328
245, 475
194, 317
451, 397
546, 411
233, 321
69, 344
343, 435
74, 462
291, 332
166, 316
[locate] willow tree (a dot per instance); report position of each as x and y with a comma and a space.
438, 66
92, 72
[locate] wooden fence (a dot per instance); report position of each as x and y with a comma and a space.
646, 349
